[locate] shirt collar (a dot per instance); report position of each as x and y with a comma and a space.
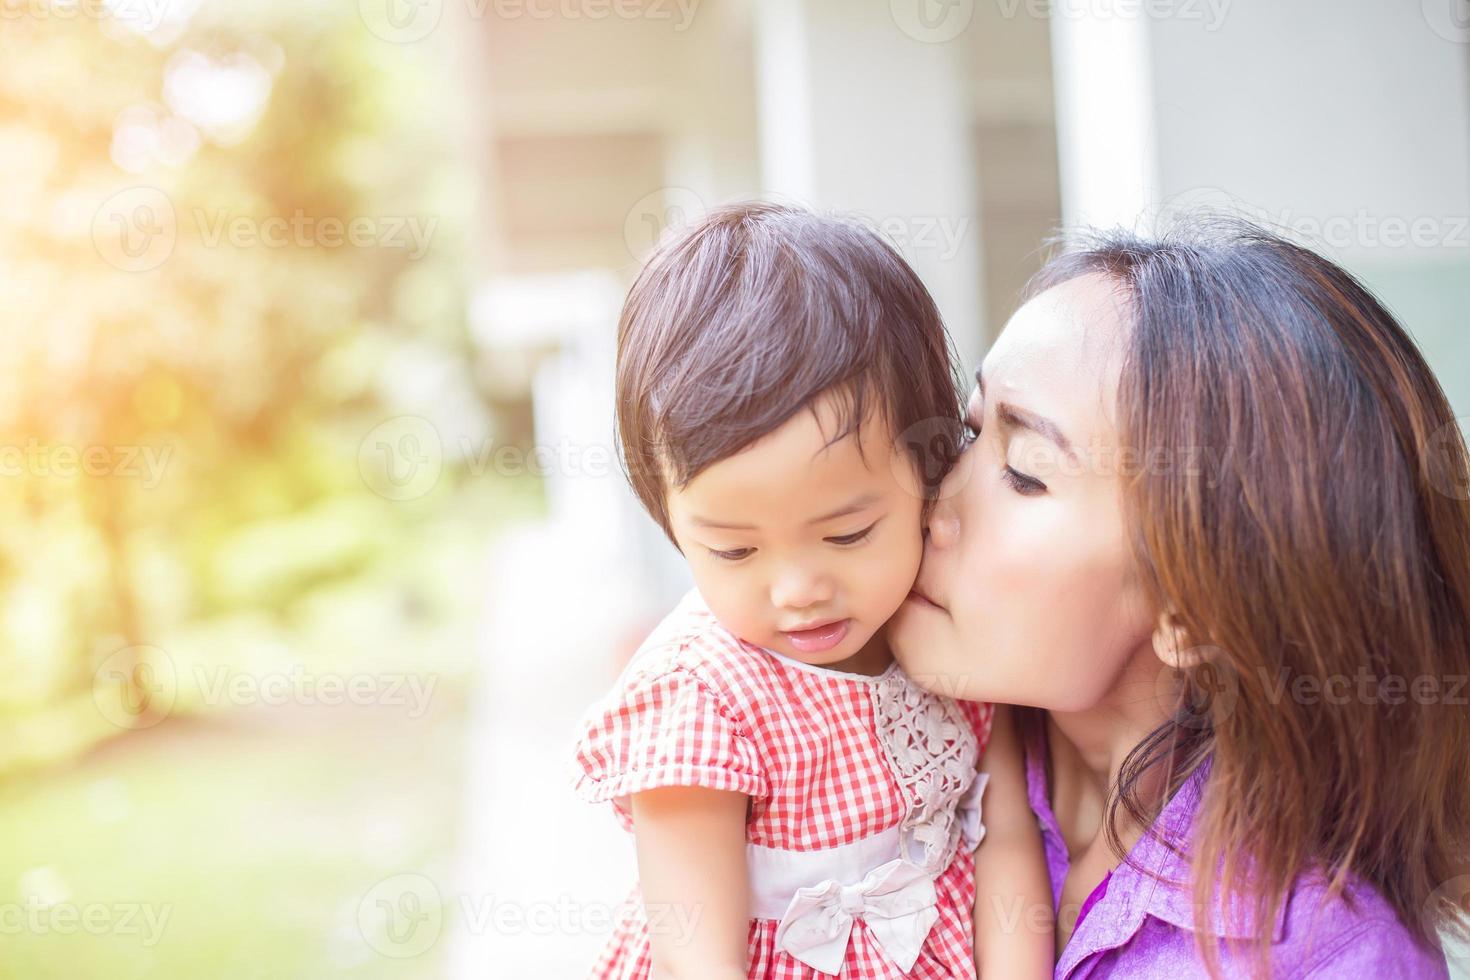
1159, 868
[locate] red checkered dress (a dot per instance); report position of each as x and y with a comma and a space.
699, 707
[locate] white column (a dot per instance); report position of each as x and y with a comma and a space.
861, 111
1106, 153
1345, 125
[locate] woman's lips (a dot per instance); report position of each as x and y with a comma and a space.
819, 638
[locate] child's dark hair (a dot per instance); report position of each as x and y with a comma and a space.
741, 320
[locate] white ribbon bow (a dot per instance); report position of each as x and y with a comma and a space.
896, 901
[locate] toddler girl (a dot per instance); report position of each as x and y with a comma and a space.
786, 410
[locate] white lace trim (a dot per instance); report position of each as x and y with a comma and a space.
932, 751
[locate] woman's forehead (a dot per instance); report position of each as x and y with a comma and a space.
1060, 354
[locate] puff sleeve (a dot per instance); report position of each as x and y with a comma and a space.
666, 728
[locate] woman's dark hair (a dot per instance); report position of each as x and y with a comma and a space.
1330, 541
745, 317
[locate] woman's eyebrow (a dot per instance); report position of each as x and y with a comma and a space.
1020, 418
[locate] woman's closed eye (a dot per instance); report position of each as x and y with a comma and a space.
1026, 486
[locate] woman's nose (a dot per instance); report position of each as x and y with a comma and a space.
944, 525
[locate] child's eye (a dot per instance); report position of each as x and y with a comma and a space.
856, 537
734, 554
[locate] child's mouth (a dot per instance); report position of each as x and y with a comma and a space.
819, 638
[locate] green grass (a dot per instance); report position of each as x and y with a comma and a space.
257, 836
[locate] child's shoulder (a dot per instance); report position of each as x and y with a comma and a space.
691, 640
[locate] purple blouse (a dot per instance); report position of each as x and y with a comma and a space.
1140, 926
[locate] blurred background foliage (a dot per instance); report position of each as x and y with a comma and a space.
231, 526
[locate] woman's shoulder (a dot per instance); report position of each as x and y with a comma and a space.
1352, 931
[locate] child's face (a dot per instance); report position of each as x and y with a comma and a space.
797, 562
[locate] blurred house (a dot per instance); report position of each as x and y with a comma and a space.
966, 132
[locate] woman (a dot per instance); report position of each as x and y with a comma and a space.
1213, 521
